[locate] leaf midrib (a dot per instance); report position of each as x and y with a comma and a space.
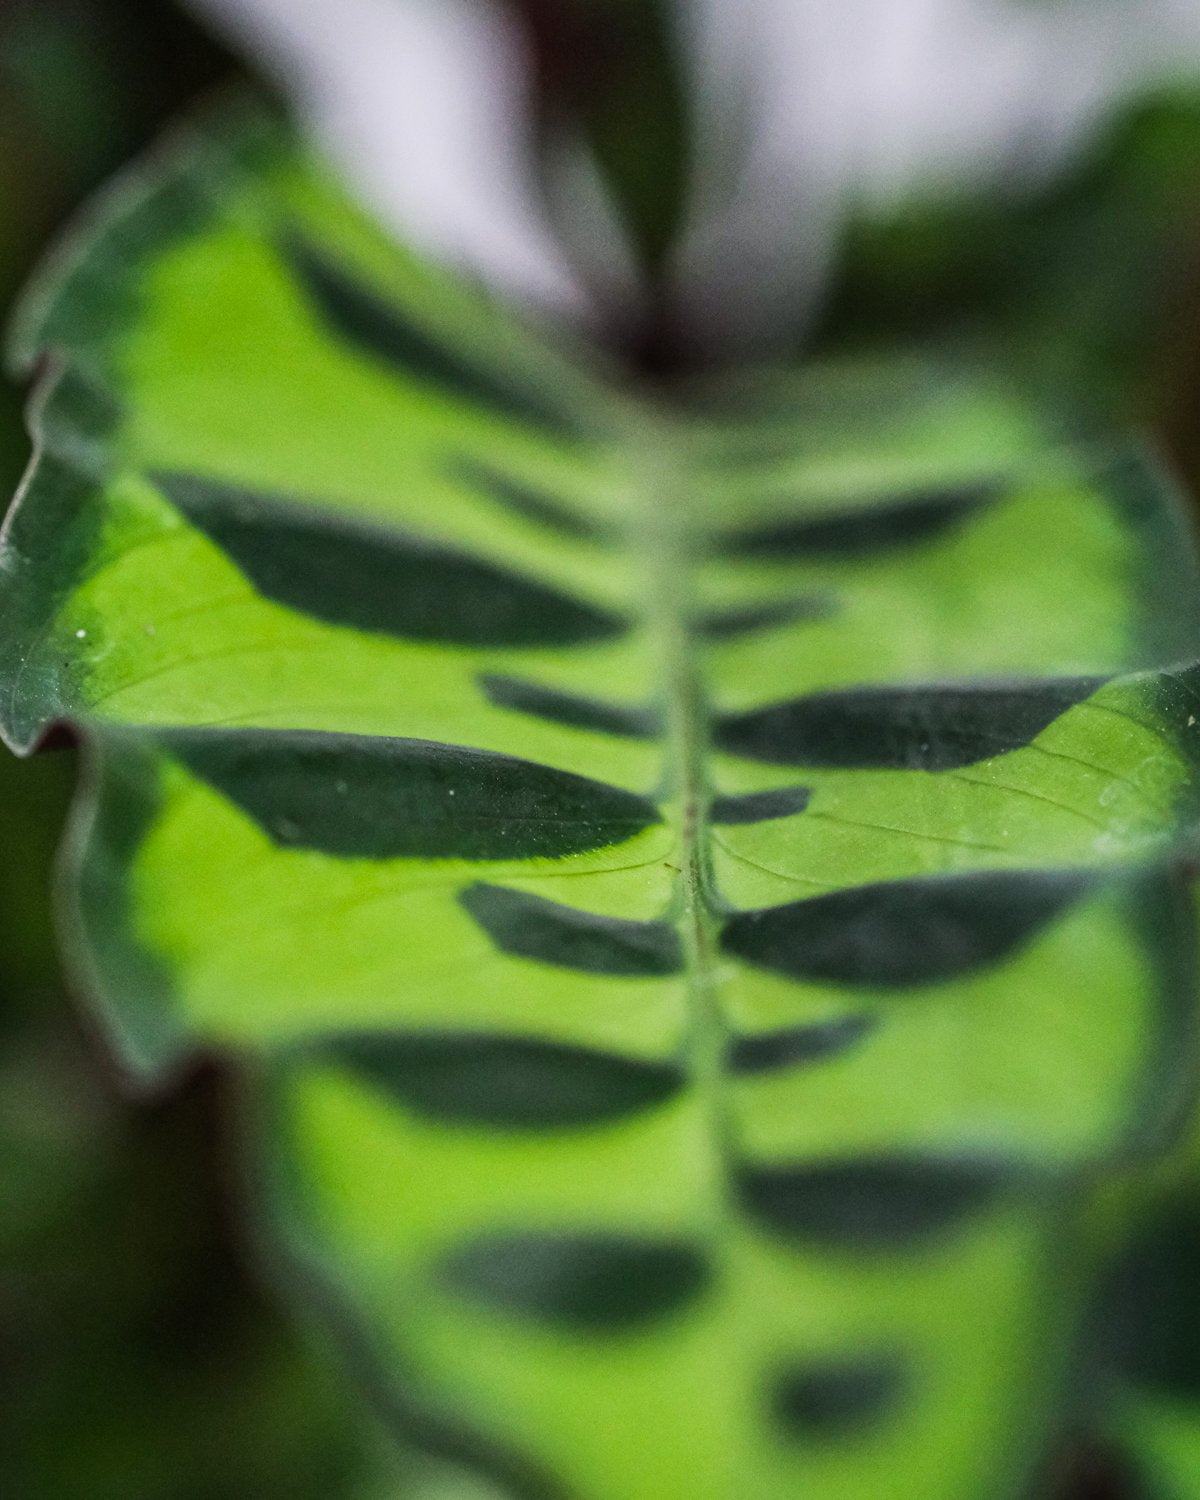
664, 534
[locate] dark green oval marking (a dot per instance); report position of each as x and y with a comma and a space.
939, 727
906, 933
904, 521
532, 927
874, 1204
368, 797
1154, 1297
569, 709
775, 1050
348, 572
586, 1283
761, 807
731, 624
503, 1083
830, 1399
527, 503
379, 328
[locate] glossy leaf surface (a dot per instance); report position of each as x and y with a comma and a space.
700, 884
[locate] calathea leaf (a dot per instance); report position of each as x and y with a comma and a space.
702, 892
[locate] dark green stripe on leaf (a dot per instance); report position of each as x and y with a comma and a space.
524, 501
761, 807
531, 927
775, 1050
347, 572
569, 709
366, 797
1155, 1294
921, 728
881, 1204
378, 328
504, 1083
905, 933
585, 1283
833, 1399
750, 619
901, 522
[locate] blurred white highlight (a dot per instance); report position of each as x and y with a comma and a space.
421, 104
855, 101
805, 106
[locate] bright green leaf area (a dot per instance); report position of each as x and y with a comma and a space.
653, 1135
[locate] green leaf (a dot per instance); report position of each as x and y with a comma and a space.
702, 890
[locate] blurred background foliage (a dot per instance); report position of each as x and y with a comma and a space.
140, 1356
1090, 286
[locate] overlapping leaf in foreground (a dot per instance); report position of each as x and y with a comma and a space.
703, 895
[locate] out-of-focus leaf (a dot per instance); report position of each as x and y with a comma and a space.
1091, 280
609, 75
81, 85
